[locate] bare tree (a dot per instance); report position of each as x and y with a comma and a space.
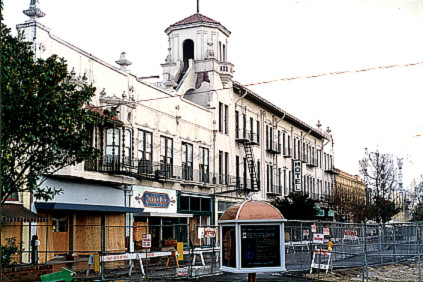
381, 176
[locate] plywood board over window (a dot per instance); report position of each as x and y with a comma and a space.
12, 230
88, 233
45, 235
115, 233
140, 228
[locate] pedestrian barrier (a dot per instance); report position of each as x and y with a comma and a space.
322, 259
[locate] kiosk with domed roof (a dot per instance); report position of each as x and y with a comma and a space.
252, 238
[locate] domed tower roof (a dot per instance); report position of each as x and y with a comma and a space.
197, 19
252, 210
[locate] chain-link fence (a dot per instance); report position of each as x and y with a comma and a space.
159, 251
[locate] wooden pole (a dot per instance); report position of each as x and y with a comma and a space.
252, 277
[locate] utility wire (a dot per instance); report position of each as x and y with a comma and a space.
287, 79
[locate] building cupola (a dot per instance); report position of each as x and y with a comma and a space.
198, 50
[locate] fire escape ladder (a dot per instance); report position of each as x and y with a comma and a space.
251, 166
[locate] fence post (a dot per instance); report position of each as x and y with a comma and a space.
45, 260
418, 233
380, 240
363, 231
103, 243
395, 242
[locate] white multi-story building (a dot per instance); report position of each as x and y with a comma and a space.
179, 151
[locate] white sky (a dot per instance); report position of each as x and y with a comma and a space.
274, 39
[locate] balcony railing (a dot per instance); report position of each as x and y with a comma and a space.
273, 147
331, 170
274, 189
287, 152
312, 161
246, 136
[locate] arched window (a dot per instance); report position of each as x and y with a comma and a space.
188, 49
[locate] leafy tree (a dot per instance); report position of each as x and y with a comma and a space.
297, 205
44, 118
380, 174
7, 251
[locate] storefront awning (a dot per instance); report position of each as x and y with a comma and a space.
163, 214
18, 213
81, 207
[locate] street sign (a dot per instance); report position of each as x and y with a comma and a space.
318, 238
210, 232
313, 228
326, 231
146, 240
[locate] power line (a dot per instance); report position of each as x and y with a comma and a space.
286, 79
334, 73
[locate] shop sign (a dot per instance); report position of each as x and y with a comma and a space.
351, 235
154, 199
326, 231
313, 228
146, 240
200, 232
210, 232
297, 168
306, 233
318, 238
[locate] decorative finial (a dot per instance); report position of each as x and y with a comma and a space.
123, 62
318, 124
103, 92
73, 73
34, 11
328, 130
124, 95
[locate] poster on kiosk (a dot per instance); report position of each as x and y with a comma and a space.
251, 241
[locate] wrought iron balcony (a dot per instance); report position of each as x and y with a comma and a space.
273, 147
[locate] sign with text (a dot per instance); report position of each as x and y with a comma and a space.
260, 246
351, 235
306, 233
326, 231
182, 271
154, 199
210, 232
297, 175
146, 240
318, 238
313, 228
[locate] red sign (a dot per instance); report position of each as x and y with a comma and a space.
326, 231
313, 228
182, 271
209, 232
306, 232
146, 240
318, 238
352, 235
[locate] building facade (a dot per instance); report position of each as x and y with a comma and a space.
181, 150
349, 197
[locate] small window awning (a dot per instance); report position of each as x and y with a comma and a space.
18, 213
82, 207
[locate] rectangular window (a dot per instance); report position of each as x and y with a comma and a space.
220, 117
283, 143
245, 175
166, 155
204, 165
289, 143
145, 151
279, 141
267, 137
251, 129
244, 126
187, 161
258, 174
236, 124
258, 132
112, 145
59, 224
226, 121
221, 169
295, 148
128, 147
284, 183
237, 172
226, 168
224, 52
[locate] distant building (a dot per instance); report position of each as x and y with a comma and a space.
349, 196
181, 150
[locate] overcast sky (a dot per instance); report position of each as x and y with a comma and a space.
272, 39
